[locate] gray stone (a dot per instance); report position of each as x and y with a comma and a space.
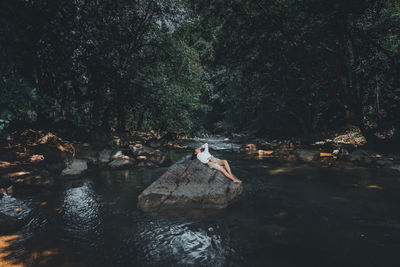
117, 154
75, 167
306, 155
121, 162
136, 149
384, 162
141, 150
363, 156
189, 184
395, 167
357, 155
154, 143
104, 156
158, 157
10, 190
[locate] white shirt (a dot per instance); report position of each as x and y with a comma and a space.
205, 155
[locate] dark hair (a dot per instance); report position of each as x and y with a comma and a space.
194, 156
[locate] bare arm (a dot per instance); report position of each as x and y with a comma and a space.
205, 146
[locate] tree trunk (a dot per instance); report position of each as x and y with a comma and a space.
120, 108
63, 101
140, 121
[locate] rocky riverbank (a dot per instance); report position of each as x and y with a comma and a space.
39, 158
343, 151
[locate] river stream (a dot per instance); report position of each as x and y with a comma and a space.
290, 214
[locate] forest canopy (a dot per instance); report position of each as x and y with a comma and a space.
276, 68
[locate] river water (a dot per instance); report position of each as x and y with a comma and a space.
290, 214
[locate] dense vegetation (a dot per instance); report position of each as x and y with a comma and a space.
272, 68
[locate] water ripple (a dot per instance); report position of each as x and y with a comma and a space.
183, 243
14, 207
81, 212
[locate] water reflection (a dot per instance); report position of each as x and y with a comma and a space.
291, 214
80, 210
214, 142
183, 243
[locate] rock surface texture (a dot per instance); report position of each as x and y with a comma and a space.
189, 184
75, 167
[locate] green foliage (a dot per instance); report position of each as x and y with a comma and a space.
272, 67
295, 67
115, 63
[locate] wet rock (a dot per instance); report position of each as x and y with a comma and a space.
119, 141
383, 162
117, 154
54, 148
141, 150
265, 145
158, 157
336, 152
30, 136
136, 149
394, 167
121, 162
104, 156
86, 151
357, 156
154, 143
75, 167
10, 190
189, 184
249, 147
306, 155
362, 156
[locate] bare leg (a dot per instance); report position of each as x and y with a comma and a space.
223, 163
226, 165
224, 172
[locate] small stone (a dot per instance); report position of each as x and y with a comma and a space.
10, 190
117, 154
136, 149
395, 167
383, 162
104, 156
120, 162
306, 155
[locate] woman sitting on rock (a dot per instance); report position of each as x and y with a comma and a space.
205, 157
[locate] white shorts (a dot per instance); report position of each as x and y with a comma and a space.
212, 164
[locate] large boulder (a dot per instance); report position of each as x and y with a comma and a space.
189, 184
75, 167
